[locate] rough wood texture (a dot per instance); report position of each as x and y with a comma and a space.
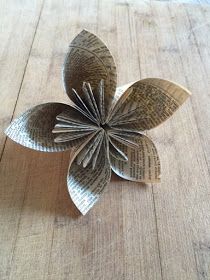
135, 231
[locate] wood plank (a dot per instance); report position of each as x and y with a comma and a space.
181, 201
196, 58
18, 25
16, 18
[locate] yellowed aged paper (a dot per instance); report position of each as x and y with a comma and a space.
86, 184
152, 101
143, 164
89, 60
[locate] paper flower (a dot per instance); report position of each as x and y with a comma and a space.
102, 123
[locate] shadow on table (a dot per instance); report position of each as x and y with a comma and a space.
36, 182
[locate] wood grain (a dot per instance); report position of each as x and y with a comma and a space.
135, 231
19, 21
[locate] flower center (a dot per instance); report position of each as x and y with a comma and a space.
105, 126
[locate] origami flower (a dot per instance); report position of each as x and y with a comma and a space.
102, 123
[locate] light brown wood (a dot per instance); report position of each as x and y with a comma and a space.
135, 231
18, 23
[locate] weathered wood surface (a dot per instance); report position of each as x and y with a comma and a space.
135, 231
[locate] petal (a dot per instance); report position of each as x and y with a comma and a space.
89, 60
33, 129
143, 164
86, 184
152, 101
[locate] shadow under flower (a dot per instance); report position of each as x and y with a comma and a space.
34, 182
117, 180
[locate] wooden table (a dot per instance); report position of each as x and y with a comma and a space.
135, 231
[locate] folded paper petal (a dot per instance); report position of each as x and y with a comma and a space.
89, 60
148, 103
33, 129
86, 184
143, 164
120, 96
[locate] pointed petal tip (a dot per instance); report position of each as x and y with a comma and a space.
84, 30
84, 212
33, 129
